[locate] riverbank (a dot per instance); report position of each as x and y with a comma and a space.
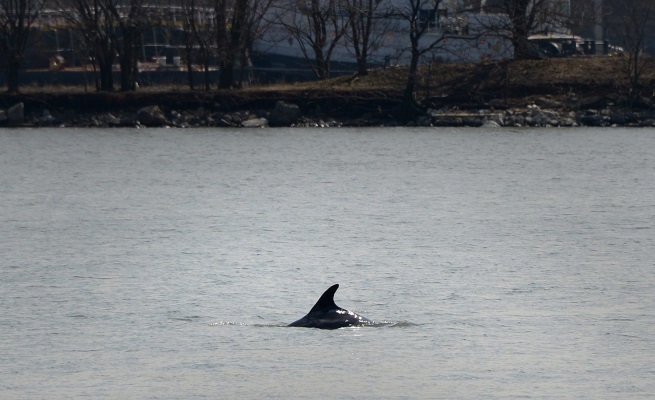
589, 91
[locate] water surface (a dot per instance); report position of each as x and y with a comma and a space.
165, 263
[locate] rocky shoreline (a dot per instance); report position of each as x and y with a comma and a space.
538, 112
562, 92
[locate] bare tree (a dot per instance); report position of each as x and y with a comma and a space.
229, 15
199, 36
193, 28
635, 22
420, 16
253, 27
16, 20
132, 17
318, 27
111, 28
96, 29
525, 17
189, 27
369, 23
237, 25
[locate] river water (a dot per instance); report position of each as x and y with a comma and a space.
164, 264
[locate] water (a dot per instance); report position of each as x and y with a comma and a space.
155, 264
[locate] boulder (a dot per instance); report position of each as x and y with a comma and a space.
47, 118
111, 120
423, 121
593, 120
151, 116
621, 117
16, 114
488, 123
254, 122
128, 122
474, 122
567, 121
284, 114
202, 112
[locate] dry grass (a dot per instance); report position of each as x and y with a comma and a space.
452, 84
78, 89
563, 71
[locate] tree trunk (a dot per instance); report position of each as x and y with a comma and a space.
126, 72
105, 61
408, 108
13, 67
517, 11
106, 75
128, 59
226, 73
521, 44
322, 66
207, 88
233, 46
362, 65
189, 68
189, 55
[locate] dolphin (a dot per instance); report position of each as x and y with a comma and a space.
327, 315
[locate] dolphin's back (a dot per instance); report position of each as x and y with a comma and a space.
327, 315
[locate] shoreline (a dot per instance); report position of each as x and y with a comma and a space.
577, 91
259, 109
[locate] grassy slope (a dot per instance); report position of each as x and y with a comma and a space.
461, 85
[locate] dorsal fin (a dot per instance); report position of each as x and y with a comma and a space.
327, 299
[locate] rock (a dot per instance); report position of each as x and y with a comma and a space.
490, 124
222, 123
16, 114
519, 120
622, 117
567, 122
151, 116
646, 114
498, 104
202, 112
498, 118
111, 120
545, 102
617, 118
255, 122
592, 102
3, 116
423, 121
473, 122
46, 119
593, 120
127, 122
177, 118
550, 114
284, 114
